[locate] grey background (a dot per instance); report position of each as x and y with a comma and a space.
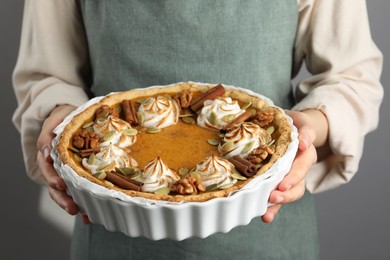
354, 220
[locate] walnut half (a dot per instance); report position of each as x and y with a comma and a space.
260, 154
86, 140
183, 98
187, 186
263, 118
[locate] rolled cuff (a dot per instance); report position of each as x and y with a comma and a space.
347, 128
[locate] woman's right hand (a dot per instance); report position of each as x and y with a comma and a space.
56, 185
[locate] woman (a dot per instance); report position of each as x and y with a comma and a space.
72, 50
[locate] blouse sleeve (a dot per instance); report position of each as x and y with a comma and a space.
334, 40
52, 60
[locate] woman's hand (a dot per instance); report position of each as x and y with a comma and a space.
313, 132
56, 185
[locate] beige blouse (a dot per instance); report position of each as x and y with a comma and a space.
333, 39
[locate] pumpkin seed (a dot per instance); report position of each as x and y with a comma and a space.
187, 111
192, 170
271, 142
228, 118
103, 115
183, 171
88, 124
109, 136
196, 175
233, 169
135, 176
238, 176
162, 191
212, 187
226, 186
153, 130
142, 129
100, 175
77, 157
141, 101
185, 115
253, 111
119, 170
108, 183
270, 130
188, 120
90, 129
246, 105
92, 159
258, 166
130, 132
103, 166
128, 170
248, 147
227, 146
213, 118
140, 117
214, 142
74, 149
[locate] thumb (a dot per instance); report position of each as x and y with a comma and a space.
306, 137
307, 134
52, 121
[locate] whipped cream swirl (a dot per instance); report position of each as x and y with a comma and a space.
113, 127
217, 113
159, 112
242, 139
107, 159
216, 171
157, 175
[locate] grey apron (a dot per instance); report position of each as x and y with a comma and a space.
246, 43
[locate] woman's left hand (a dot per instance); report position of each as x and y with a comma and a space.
312, 128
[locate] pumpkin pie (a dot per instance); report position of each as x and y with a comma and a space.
183, 142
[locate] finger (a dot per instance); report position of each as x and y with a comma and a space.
64, 201
47, 135
270, 214
45, 138
307, 134
85, 219
49, 174
285, 197
299, 169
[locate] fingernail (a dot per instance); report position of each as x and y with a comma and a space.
46, 153
304, 141
288, 187
284, 187
58, 187
279, 199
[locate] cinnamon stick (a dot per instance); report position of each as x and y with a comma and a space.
128, 178
243, 166
217, 91
130, 112
238, 120
121, 182
88, 152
